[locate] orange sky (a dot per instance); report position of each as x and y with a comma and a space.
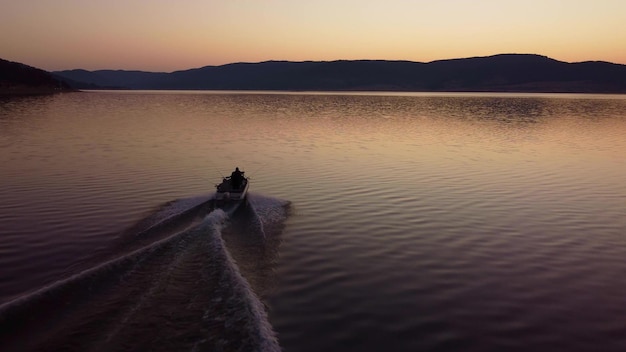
163, 35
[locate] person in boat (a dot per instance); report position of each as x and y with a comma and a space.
236, 178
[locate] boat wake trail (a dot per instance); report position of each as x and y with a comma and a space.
199, 284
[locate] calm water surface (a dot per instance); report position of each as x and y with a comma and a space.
398, 222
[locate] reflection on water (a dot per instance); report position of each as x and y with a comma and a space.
479, 222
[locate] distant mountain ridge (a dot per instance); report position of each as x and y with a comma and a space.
498, 73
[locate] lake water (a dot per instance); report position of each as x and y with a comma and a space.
376, 222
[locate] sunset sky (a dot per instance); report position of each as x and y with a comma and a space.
164, 35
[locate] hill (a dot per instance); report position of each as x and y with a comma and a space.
498, 73
18, 79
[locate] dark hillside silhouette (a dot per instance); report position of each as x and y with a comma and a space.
498, 73
17, 78
109, 79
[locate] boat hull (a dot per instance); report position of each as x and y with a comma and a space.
227, 193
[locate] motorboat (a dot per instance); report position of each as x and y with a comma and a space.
233, 188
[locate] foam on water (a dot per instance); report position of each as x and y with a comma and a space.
188, 279
245, 309
170, 211
267, 210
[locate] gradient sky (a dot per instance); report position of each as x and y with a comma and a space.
164, 35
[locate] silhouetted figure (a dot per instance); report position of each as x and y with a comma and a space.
236, 178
